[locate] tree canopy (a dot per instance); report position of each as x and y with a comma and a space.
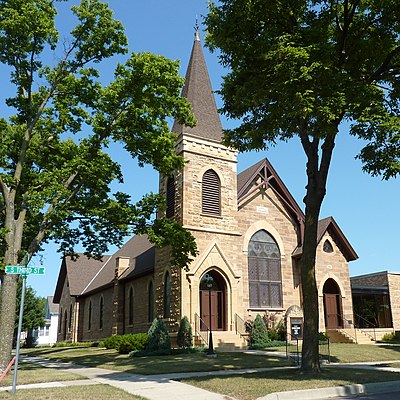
302, 68
55, 173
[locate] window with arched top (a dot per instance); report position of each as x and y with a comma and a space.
327, 247
170, 211
70, 318
167, 295
211, 193
151, 302
60, 321
101, 312
90, 315
130, 306
264, 267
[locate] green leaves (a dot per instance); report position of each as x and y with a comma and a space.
54, 171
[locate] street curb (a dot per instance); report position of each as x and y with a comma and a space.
326, 393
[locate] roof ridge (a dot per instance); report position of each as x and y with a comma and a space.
96, 275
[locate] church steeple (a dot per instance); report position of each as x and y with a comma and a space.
198, 91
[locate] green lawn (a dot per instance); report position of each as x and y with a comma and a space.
252, 386
32, 373
195, 362
98, 392
350, 353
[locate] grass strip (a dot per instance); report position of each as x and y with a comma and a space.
33, 373
252, 386
98, 392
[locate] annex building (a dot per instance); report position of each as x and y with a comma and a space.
248, 230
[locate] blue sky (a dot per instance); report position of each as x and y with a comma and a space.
365, 208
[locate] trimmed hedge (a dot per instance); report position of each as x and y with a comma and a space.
184, 338
158, 336
124, 344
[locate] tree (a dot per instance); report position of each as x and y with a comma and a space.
258, 333
301, 68
34, 309
158, 336
185, 334
55, 173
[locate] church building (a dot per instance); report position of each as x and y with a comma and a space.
248, 229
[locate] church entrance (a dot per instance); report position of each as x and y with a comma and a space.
332, 305
212, 301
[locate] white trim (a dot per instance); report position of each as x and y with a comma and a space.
98, 272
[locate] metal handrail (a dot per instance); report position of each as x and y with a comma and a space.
346, 324
296, 359
368, 322
240, 327
203, 335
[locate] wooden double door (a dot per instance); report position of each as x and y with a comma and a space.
332, 305
212, 310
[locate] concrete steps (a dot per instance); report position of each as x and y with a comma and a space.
225, 341
348, 336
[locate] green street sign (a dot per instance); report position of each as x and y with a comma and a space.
21, 270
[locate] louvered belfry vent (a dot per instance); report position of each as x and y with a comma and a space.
211, 193
170, 212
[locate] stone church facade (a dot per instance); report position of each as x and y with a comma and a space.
248, 229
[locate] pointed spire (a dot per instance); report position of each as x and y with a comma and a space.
198, 91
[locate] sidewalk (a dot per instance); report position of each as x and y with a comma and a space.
164, 387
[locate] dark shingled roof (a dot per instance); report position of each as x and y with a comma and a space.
87, 275
141, 255
329, 225
198, 91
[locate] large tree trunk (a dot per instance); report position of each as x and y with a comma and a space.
310, 352
7, 318
317, 174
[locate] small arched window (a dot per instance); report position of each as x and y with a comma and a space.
327, 247
130, 306
167, 295
90, 315
151, 303
170, 212
60, 321
70, 318
264, 263
101, 312
211, 193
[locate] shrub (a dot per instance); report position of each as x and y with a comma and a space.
184, 339
126, 343
112, 342
391, 337
258, 334
158, 336
132, 342
322, 337
278, 333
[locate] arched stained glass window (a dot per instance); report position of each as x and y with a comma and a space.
90, 315
264, 267
101, 312
211, 193
70, 318
167, 295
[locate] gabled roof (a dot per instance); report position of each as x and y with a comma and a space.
198, 91
141, 255
329, 225
87, 275
51, 308
263, 175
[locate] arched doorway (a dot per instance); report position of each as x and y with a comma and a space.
332, 305
212, 301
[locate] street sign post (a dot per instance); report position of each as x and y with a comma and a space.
24, 271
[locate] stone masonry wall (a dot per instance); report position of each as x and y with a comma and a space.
333, 265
